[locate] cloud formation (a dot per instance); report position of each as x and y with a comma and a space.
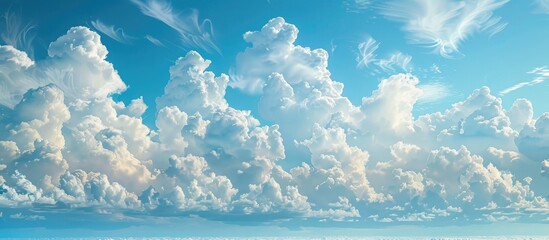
444, 25
68, 146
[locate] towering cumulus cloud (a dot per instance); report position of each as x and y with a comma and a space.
76, 64
67, 147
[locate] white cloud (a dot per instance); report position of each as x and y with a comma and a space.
500, 153
542, 74
193, 90
194, 34
520, 114
444, 25
390, 106
270, 197
273, 45
340, 211
13, 64
113, 32
545, 168
330, 152
81, 188
201, 189
464, 176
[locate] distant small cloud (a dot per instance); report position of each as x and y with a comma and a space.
111, 31
27, 217
542, 73
357, 5
333, 46
435, 68
433, 92
154, 41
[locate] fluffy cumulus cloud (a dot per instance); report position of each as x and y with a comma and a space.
67, 146
75, 64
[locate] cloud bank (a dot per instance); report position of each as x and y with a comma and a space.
67, 147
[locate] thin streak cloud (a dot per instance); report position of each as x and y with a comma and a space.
154, 41
542, 74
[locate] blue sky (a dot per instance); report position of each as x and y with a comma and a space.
285, 115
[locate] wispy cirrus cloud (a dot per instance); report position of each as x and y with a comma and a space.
367, 56
193, 33
395, 61
366, 52
154, 41
443, 25
17, 34
542, 73
113, 32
